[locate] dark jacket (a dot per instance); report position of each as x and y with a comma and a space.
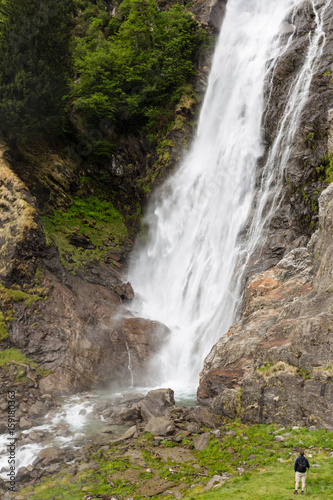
296, 465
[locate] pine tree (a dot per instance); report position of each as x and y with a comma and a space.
34, 67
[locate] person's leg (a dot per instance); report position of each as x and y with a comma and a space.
303, 481
296, 482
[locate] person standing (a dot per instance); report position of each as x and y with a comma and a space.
300, 467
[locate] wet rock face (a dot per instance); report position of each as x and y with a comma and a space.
296, 218
275, 364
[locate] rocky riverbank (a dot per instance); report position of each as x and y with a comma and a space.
165, 450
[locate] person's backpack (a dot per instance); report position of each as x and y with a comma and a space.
301, 464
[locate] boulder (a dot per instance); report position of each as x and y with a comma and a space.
193, 427
130, 433
25, 424
49, 456
216, 482
39, 408
157, 403
160, 426
202, 441
205, 416
24, 475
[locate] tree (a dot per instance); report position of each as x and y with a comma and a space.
34, 66
130, 75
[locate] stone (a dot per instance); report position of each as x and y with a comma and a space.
215, 482
125, 291
25, 424
205, 416
23, 475
79, 240
39, 408
130, 433
49, 456
279, 439
160, 426
157, 403
230, 433
201, 442
193, 427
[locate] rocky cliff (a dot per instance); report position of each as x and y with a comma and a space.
275, 363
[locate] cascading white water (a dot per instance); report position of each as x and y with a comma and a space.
185, 276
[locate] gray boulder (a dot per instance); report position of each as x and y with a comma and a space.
48, 456
202, 441
157, 403
160, 426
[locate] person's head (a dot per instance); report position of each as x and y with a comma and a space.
301, 452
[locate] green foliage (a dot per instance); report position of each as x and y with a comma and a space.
130, 72
3, 328
95, 219
34, 67
325, 170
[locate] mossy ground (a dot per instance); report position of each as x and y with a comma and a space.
7, 356
3, 328
142, 470
93, 218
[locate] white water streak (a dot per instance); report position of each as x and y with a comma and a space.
185, 275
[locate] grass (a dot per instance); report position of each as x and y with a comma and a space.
275, 483
10, 295
9, 355
95, 219
3, 328
268, 473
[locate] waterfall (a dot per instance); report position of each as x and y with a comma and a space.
188, 275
